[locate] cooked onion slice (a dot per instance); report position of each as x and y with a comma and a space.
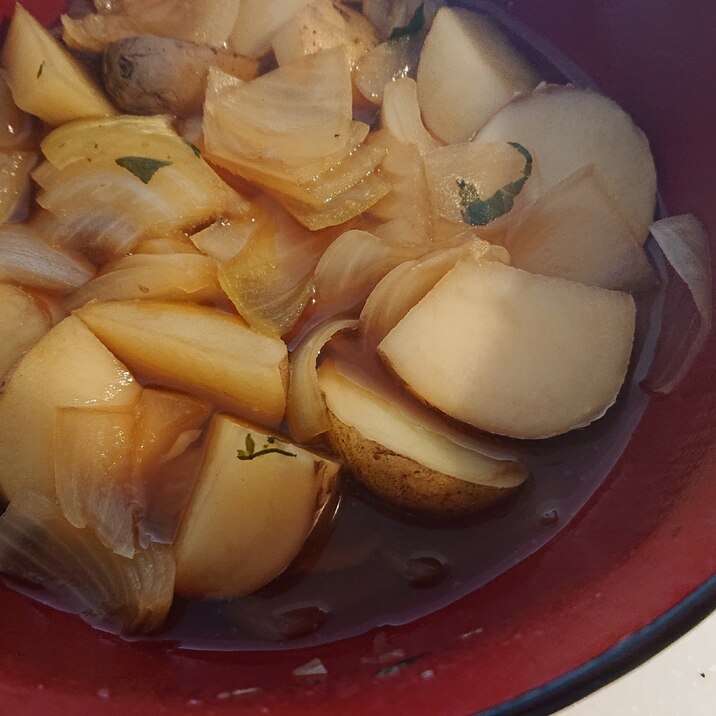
306, 411
225, 150
111, 183
176, 244
205, 21
294, 114
167, 277
685, 245
38, 545
270, 281
400, 115
343, 208
26, 259
404, 170
318, 189
224, 239
94, 473
409, 282
166, 458
352, 266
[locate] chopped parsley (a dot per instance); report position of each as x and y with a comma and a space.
480, 212
249, 452
143, 168
414, 26
40, 69
194, 148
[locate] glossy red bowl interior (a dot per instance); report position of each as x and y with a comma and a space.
633, 570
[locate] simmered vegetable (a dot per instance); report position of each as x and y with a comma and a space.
326, 238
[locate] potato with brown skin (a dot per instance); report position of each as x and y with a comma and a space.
406, 484
409, 468
148, 74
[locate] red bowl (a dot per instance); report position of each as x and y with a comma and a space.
633, 570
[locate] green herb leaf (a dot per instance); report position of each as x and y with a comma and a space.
480, 212
194, 148
414, 26
250, 452
40, 69
142, 167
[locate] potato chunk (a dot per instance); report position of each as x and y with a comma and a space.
67, 367
45, 80
254, 504
514, 353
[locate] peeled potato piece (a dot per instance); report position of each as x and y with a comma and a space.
467, 72
195, 348
568, 128
514, 353
577, 231
44, 78
254, 505
404, 462
67, 366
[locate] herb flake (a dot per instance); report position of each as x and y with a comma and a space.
249, 452
480, 212
40, 69
194, 148
143, 168
414, 26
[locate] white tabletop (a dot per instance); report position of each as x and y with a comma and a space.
679, 681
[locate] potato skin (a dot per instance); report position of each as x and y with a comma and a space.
407, 485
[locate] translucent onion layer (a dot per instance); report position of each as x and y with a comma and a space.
26, 259
306, 411
39, 546
685, 245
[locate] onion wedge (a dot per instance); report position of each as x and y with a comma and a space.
93, 473
205, 21
352, 266
26, 259
685, 244
270, 281
163, 277
306, 411
38, 545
